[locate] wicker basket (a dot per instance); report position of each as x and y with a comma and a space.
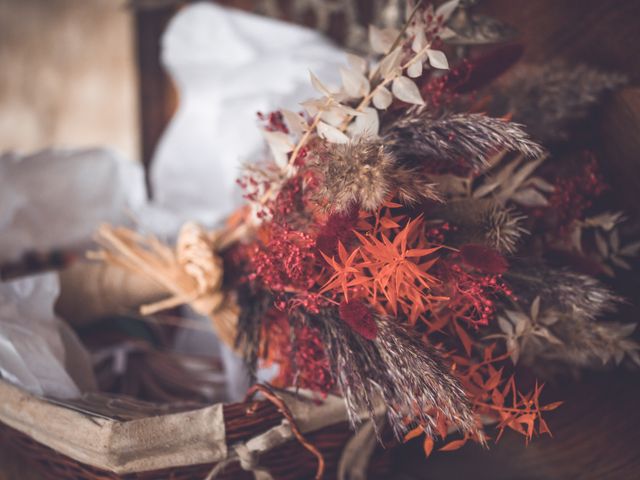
106, 437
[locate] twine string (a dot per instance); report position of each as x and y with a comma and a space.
248, 458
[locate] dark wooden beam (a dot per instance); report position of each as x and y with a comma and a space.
157, 95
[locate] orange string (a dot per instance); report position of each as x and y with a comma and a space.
282, 407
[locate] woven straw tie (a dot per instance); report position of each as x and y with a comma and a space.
192, 272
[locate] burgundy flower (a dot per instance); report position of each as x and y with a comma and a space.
484, 259
359, 317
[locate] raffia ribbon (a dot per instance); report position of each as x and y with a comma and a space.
248, 453
302, 415
192, 273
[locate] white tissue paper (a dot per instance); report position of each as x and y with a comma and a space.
228, 65
57, 198
33, 340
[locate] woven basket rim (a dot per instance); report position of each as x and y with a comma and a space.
192, 437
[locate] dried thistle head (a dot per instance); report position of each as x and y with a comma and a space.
502, 227
484, 222
354, 173
363, 173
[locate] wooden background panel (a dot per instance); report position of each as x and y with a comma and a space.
67, 76
602, 33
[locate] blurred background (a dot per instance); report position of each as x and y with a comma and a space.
68, 75
78, 73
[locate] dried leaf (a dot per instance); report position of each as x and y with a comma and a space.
519, 320
454, 445
446, 33
419, 41
518, 178
415, 69
541, 184
313, 106
295, 122
280, 144
366, 125
497, 180
347, 110
630, 250
446, 9
318, 85
405, 89
428, 445
619, 262
381, 40
355, 83
334, 116
382, 98
506, 326
357, 63
331, 134
390, 64
551, 406
614, 240
535, 308
529, 198
514, 349
606, 220
416, 432
438, 59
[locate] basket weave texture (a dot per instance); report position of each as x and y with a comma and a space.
290, 460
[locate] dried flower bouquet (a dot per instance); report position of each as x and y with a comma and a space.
396, 244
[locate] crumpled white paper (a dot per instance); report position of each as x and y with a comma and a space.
57, 198
33, 340
228, 65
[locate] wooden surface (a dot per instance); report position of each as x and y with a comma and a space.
602, 33
596, 436
620, 126
157, 95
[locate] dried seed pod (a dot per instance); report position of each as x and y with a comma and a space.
364, 173
482, 222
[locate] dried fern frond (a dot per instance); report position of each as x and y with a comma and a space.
418, 139
549, 98
397, 368
363, 173
563, 290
